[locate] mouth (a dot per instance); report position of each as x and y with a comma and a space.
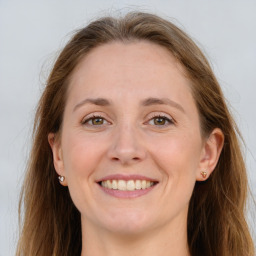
127, 186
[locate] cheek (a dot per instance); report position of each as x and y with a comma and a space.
177, 154
180, 162
178, 158
81, 155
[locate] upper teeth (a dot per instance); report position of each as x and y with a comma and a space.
127, 185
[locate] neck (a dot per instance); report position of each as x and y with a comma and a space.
164, 241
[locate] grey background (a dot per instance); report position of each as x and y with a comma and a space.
32, 33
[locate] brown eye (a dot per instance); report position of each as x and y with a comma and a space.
94, 121
160, 121
97, 121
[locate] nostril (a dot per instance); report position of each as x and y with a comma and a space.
125, 153
117, 159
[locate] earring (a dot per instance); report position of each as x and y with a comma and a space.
204, 174
61, 178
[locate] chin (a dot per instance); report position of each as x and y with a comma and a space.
128, 223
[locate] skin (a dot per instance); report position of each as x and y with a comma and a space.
130, 139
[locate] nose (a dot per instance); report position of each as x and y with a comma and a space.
127, 146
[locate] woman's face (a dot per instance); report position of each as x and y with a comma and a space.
130, 116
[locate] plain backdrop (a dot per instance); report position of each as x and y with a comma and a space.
33, 32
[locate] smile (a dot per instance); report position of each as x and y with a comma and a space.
129, 185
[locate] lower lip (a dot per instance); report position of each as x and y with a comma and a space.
126, 194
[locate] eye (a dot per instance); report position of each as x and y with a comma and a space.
160, 120
95, 121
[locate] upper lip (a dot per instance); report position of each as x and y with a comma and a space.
126, 177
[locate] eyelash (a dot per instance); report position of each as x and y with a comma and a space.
91, 118
169, 121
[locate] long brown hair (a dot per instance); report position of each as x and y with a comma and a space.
216, 219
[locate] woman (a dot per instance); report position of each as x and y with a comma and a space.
134, 151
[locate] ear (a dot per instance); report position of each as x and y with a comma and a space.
210, 154
57, 156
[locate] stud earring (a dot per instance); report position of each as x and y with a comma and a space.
61, 178
204, 174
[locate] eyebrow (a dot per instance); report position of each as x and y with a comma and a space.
162, 101
147, 102
97, 102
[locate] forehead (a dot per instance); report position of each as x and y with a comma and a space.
128, 74
134, 63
